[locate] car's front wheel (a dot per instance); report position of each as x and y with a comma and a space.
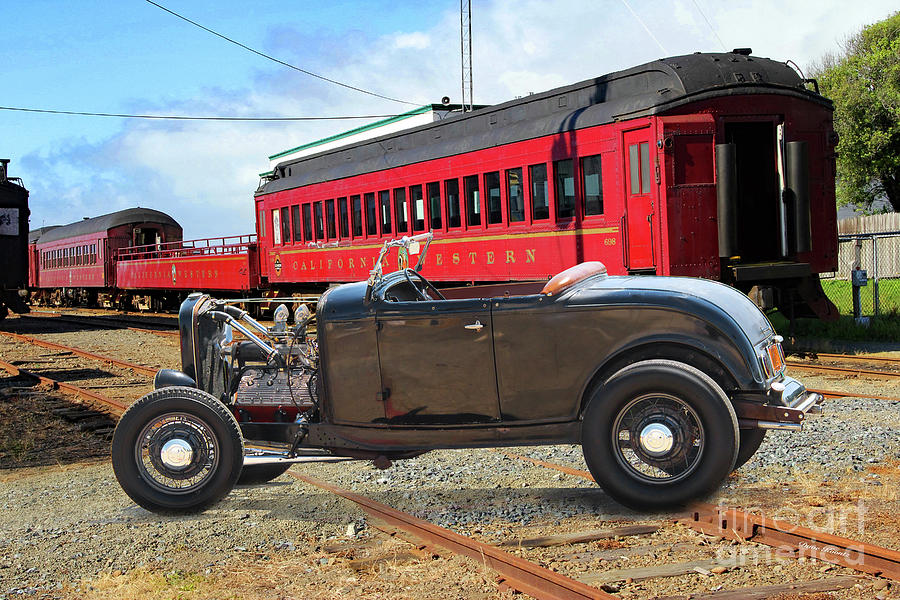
177, 450
658, 434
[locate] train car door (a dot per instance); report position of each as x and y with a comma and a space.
262, 239
639, 209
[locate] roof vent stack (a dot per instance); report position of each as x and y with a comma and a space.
3, 166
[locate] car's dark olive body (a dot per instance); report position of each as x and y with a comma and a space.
667, 383
396, 366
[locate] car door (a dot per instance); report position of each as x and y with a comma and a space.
437, 362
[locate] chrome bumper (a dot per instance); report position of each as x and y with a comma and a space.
790, 404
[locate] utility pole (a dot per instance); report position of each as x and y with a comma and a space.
465, 44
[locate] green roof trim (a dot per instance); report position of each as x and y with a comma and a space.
267, 173
337, 136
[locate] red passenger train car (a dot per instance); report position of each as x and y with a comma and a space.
75, 263
708, 165
135, 259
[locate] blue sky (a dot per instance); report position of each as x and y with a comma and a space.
129, 56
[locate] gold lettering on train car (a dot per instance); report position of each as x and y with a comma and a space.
294, 265
472, 256
456, 258
510, 256
340, 263
216, 272
490, 257
303, 266
529, 255
350, 262
329, 264
440, 259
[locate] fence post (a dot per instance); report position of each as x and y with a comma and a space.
876, 301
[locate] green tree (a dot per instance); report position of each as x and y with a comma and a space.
864, 82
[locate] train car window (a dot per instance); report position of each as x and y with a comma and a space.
473, 200
492, 195
342, 218
262, 223
593, 185
417, 207
318, 223
434, 203
451, 193
94, 254
400, 207
297, 228
276, 226
285, 225
307, 223
564, 177
384, 201
540, 194
356, 216
515, 195
639, 162
329, 219
371, 215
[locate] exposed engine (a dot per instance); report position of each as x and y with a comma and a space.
265, 387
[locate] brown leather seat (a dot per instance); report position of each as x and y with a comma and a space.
566, 279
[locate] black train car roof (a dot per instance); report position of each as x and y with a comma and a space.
35, 234
129, 216
644, 90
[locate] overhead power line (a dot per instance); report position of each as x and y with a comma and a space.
641, 21
713, 29
277, 60
189, 118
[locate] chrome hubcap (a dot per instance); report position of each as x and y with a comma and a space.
656, 439
176, 454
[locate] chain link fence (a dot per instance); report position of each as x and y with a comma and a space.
878, 255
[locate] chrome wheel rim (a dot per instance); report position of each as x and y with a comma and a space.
177, 453
658, 438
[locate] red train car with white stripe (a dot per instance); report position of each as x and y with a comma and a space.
708, 165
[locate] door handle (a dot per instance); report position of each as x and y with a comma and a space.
476, 326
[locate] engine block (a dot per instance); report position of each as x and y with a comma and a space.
269, 388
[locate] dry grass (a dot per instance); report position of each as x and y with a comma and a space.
392, 574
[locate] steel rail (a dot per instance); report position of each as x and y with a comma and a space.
84, 353
116, 406
852, 357
798, 541
516, 572
80, 320
837, 394
800, 365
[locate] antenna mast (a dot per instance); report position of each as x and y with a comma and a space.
465, 44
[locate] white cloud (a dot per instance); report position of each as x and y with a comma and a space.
416, 40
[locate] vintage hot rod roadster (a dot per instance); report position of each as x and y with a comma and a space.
667, 383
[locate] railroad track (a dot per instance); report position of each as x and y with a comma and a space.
92, 411
110, 322
531, 578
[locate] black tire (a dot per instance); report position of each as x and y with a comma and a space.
749, 444
170, 426
690, 442
262, 473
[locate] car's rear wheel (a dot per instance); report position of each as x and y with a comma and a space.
261, 473
751, 439
658, 434
177, 450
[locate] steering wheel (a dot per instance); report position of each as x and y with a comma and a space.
425, 285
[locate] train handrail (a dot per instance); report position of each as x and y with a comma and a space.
224, 245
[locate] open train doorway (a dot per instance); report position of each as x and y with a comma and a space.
758, 191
